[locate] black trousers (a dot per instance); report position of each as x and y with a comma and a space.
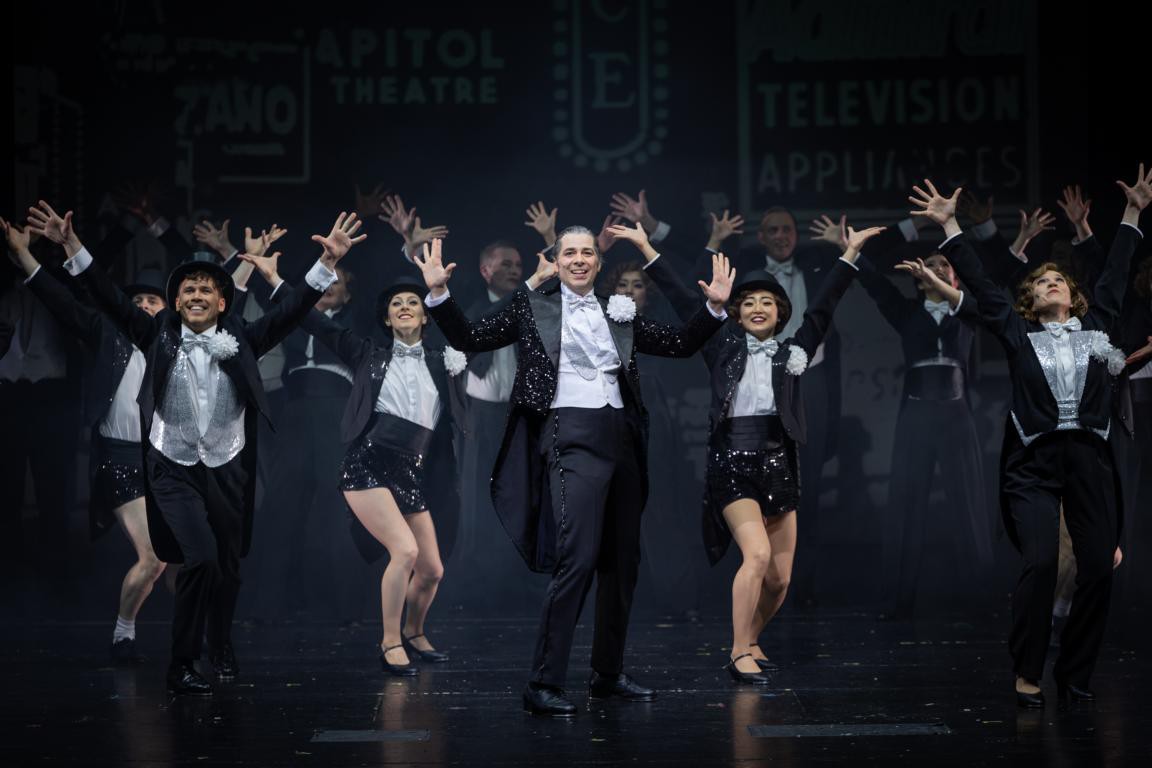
931, 432
204, 507
302, 556
819, 524
1074, 467
597, 498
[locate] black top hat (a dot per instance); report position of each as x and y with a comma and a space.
223, 279
761, 280
147, 281
404, 284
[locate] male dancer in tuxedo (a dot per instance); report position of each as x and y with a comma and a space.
569, 482
199, 400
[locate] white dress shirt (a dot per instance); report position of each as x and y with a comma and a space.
408, 391
122, 422
495, 386
591, 326
754, 393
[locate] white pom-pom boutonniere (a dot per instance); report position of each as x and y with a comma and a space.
223, 345
455, 361
1101, 349
797, 360
621, 308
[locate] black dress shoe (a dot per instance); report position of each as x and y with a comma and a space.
396, 669
764, 664
224, 662
621, 685
547, 701
1074, 693
748, 678
124, 653
183, 679
432, 657
1030, 700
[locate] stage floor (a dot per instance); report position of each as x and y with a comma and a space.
850, 690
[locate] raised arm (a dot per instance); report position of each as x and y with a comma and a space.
290, 309
654, 338
818, 316
135, 323
543, 221
407, 224
993, 300
1108, 293
684, 300
493, 331
81, 320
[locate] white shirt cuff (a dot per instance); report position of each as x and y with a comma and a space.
908, 229
954, 310
435, 301
950, 239
850, 263
659, 233
984, 230
652, 262
721, 315
1020, 255
1126, 224
78, 263
29, 278
245, 288
158, 227
230, 256
320, 277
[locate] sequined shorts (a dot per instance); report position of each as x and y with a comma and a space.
768, 477
367, 465
117, 483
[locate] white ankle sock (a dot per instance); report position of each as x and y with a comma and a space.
124, 629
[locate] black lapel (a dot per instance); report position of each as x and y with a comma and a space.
378, 368
434, 361
622, 335
547, 315
734, 368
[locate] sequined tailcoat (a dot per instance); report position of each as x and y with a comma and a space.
726, 356
532, 322
1032, 402
369, 362
159, 339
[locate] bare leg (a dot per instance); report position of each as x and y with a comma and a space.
426, 576
781, 530
747, 526
147, 569
377, 512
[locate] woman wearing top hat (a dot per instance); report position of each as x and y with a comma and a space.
400, 465
756, 421
1056, 452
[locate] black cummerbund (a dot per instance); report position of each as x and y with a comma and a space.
749, 433
934, 382
401, 434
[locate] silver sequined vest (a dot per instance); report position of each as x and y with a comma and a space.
174, 426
